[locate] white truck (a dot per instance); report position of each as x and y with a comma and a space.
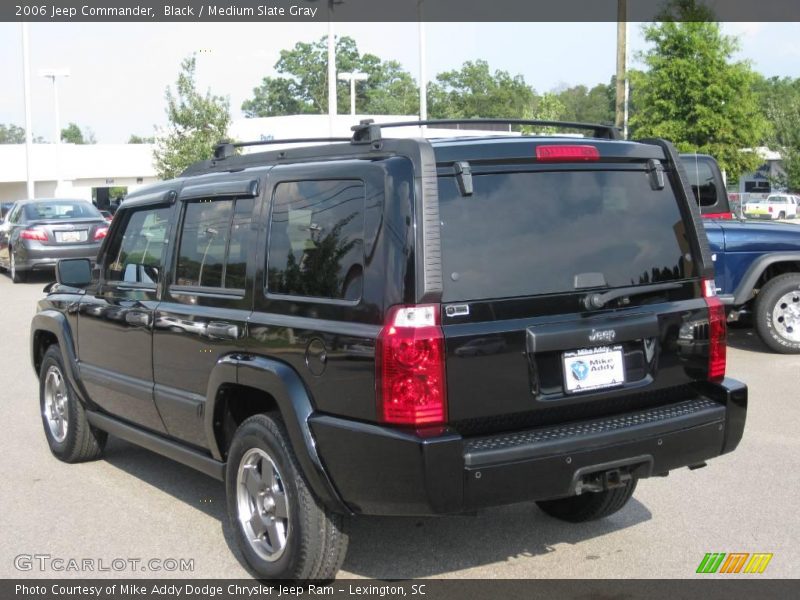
775, 206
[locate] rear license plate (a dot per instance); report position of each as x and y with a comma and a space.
593, 369
70, 236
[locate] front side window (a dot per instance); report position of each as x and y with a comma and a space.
137, 255
214, 243
316, 240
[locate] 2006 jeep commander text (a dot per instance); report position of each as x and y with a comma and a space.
391, 326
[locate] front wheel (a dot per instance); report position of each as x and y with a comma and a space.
777, 313
70, 436
281, 528
589, 506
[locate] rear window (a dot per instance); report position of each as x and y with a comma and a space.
61, 209
523, 234
702, 180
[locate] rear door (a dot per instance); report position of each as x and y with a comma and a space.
524, 253
208, 297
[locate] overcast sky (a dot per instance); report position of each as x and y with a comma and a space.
120, 70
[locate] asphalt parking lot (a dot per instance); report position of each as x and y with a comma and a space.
136, 505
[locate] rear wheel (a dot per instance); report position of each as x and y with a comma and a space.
589, 506
17, 276
782, 215
777, 313
281, 528
68, 432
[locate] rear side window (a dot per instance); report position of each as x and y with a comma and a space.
702, 180
137, 256
316, 240
214, 243
523, 234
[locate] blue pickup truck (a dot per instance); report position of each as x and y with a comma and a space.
757, 263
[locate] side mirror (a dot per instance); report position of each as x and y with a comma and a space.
74, 272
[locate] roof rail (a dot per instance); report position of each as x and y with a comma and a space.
225, 148
367, 131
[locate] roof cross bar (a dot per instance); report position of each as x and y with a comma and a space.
368, 131
225, 149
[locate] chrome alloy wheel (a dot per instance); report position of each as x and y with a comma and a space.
13, 266
786, 316
262, 504
55, 408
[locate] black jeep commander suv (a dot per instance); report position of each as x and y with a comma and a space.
399, 326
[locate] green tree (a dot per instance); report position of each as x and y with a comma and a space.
72, 134
694, 94
139, 139
581, 104
779, 99
301, 86
196, 123
11, 134
474, 91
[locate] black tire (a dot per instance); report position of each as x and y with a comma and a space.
81, 442
781, 215
589, 506
315, 542
16, 275
773, 327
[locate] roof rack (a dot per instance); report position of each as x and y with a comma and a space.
367, 131
225, 148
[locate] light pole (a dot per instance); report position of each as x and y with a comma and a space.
26, 78
53, 75
423, 74
331, 70
352, 78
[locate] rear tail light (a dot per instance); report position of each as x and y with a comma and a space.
567, 153
410, 367
717, 332
100, 233
769, 208
40, 235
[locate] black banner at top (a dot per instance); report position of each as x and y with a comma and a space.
387, 10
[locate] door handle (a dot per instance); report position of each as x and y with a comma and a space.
135, 317
222, 330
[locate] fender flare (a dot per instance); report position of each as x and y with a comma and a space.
283, 383
54, 322
744, 291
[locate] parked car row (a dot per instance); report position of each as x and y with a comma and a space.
35, 234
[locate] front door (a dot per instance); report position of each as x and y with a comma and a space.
115, 321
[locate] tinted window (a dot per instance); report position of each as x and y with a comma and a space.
15, 213
61, 209
137, 255
316, 242
702, 180
531, 233
214, 243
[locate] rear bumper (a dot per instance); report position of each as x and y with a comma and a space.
383, 471
32, 256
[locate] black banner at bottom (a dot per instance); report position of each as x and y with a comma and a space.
729, 588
